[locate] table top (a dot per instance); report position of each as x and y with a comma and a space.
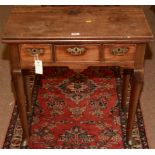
77, 22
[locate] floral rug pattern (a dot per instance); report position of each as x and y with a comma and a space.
79, 110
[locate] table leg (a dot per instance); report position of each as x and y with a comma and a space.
20, 99
136, 87
28, 92
126, 80
19, 92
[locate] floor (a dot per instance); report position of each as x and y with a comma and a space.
6, 96
148, 94
147, 98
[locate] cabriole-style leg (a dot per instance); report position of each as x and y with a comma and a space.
17, 77
20, 99
136, 87
28, 92
126, 80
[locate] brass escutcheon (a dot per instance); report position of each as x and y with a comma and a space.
35, 51
76, 51
119, 51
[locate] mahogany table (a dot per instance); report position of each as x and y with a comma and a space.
78, 37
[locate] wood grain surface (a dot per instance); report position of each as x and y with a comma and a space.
77, 22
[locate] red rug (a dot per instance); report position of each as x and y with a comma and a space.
79, 111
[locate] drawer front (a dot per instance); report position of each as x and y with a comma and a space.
119, 52
28, 52
81, 53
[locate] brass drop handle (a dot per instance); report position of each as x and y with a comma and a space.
119, 51
35, 51
76, 50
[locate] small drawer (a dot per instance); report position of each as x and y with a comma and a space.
29, 51
81, 53
119, 52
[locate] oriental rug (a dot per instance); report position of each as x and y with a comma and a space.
77, 111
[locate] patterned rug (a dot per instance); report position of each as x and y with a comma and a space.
77, 111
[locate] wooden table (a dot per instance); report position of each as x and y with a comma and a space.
78, 37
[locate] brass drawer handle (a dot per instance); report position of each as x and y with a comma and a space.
119, 51
76, 51
35, 51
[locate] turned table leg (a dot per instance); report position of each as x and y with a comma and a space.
126, 80
136, 87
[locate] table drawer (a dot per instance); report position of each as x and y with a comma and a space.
72, 53
29, 51
119, 52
